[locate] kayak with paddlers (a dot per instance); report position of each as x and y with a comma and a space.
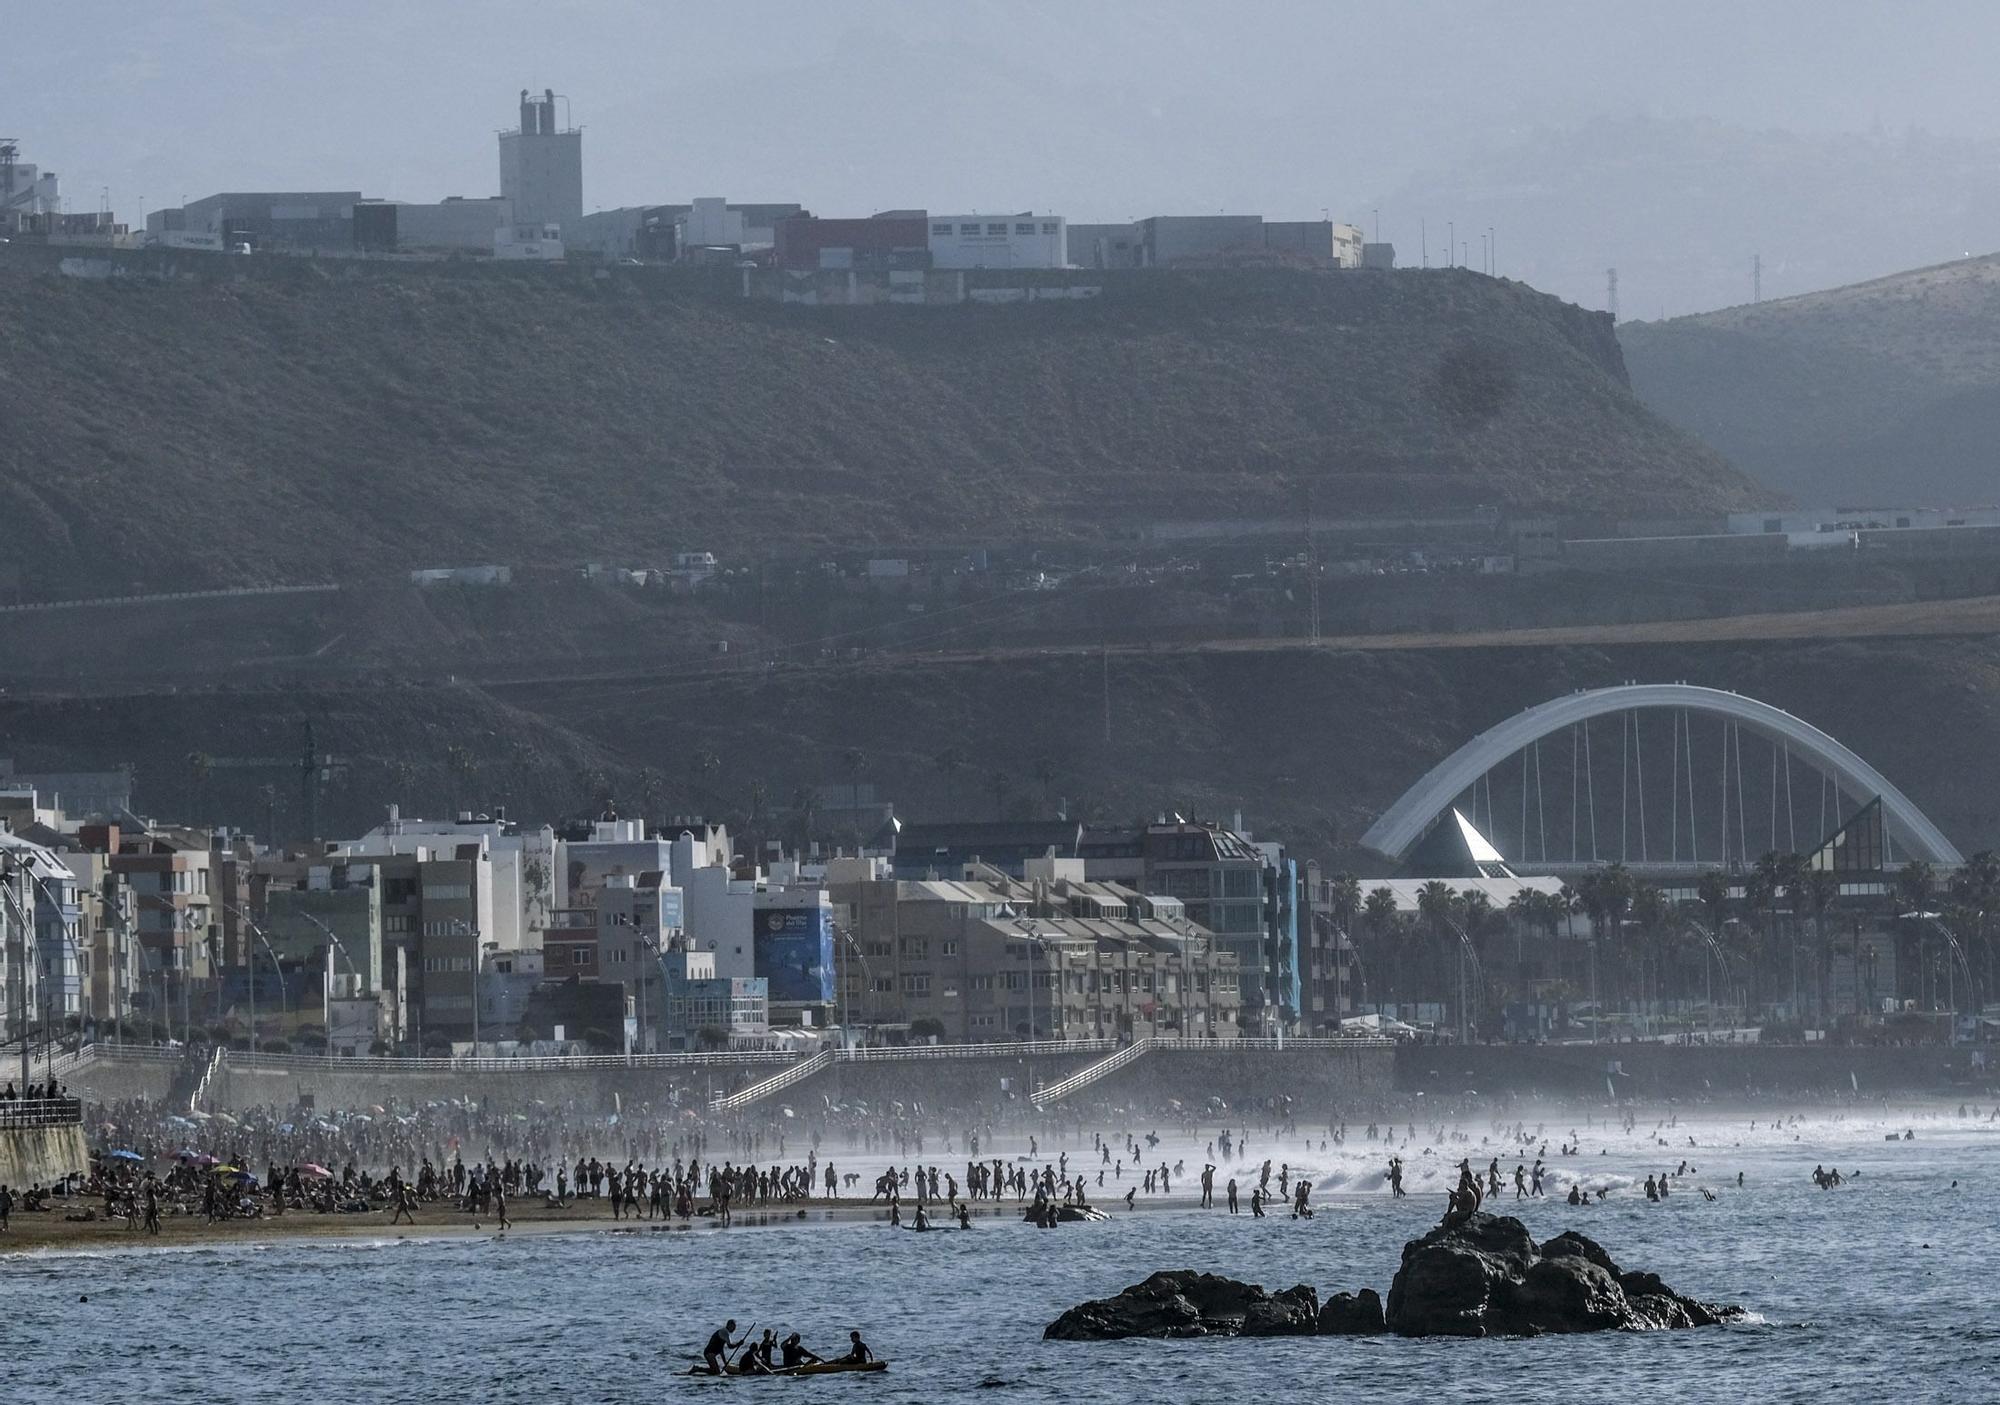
770, 1357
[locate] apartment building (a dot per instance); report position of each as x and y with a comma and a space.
990, 958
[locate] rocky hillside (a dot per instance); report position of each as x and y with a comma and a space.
1882, 393
1310, 745
280, 420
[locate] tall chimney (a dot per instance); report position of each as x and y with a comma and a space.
549, 110
527, 114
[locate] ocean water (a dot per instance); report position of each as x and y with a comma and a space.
1879, 1288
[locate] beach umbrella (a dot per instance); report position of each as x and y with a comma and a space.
225, 1119
204, 1160
123, 1155
314, 1172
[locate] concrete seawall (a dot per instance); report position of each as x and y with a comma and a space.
34, 1155
1691, 1072
238, 1086
1321, 1083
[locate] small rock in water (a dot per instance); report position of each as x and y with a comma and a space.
1190, 1304
1352, 1315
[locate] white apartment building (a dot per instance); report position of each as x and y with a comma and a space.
529, 876
999, 241
616, 849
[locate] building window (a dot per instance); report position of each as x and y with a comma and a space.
944, 229
968, 231
1024, 228
1049, 226
997, 230
578, 956
950, 948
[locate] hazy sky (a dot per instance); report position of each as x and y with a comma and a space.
1097, 109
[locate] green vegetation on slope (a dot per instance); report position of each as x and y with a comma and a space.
1884, 393
296, 421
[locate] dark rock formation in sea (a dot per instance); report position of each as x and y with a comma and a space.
1484, 1277
1487, 1277
1189, 1304
1352, 1315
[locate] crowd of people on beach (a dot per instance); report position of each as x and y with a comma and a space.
481, 1162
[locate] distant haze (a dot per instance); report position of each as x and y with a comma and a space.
1839, 140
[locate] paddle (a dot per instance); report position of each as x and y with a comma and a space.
726, 1361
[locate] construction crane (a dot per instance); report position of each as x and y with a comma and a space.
314, 767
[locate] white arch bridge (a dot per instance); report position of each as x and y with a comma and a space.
1713, 798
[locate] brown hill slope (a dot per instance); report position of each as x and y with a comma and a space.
1882, 393
293, 421
1309, 744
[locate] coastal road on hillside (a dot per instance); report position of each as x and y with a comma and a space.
1976, 616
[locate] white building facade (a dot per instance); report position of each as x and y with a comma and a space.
999, 241
526, 866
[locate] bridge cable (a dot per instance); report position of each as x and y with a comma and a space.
1774, 800
1694, 853
1575, 774
1625, 785
1590, 789
1674, 785
1541, 805
1742, 837
1639, 757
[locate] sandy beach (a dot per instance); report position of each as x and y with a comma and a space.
49, 1230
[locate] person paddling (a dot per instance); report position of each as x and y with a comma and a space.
858, 1353
795, 1353
716, 1353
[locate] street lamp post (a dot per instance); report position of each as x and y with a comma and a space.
360, 981
9, 866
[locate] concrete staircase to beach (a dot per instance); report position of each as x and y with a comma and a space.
1084, 1077
776, 1083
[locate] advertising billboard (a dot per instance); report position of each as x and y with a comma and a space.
793, 950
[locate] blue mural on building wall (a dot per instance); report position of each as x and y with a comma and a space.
793, 950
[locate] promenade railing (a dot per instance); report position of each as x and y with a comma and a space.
19, 1114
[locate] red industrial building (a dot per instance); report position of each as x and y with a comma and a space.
894, 239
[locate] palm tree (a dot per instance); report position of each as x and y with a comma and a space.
1712, 891
1379, 912
1437, 901
1817, 890
1528, 910
1916, 885
1976, 885
1760, 895
1343, 897
1650, 913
